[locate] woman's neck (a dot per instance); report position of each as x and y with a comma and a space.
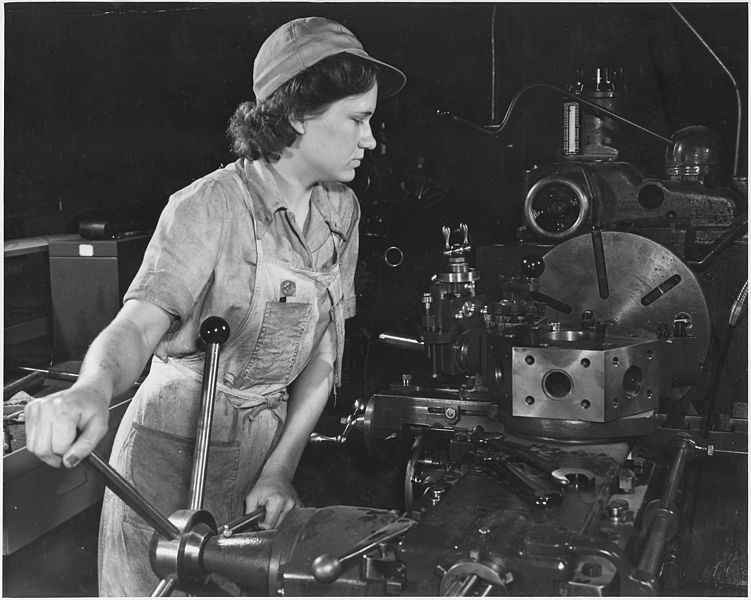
294, 192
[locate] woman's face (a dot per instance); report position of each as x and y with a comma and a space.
333, 143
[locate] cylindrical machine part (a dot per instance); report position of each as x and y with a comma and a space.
164, 588
132, 497
672, 486
243, 558
655, 544
214, 332
399, 341
662, 520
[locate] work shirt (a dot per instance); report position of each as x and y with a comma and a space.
202, 259
225, 245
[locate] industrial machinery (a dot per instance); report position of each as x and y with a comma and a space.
532, 468
488, 511
574, 379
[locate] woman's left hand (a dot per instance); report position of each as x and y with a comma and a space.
276, 494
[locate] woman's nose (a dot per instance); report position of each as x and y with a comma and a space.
367, 140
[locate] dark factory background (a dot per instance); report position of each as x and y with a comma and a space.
111, 107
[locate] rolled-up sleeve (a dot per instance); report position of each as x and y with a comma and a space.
348, 262
181, 256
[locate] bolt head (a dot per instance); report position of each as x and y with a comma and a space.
591, 569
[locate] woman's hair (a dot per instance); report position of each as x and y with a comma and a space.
263, 130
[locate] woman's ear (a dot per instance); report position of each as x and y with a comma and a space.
297, 123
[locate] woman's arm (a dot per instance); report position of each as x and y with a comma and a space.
63, 428
308, 396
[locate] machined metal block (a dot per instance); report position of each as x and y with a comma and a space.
587, 381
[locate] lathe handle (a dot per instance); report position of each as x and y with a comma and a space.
353, 419
214, 332
400, 341
131, 496
327, 568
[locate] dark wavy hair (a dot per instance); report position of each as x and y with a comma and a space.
263, 130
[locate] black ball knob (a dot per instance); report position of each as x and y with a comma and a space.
214, 330
327, 568
532, 265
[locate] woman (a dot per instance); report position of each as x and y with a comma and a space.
269, 243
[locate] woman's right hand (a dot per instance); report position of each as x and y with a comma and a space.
65, 427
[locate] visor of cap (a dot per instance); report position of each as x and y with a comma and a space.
301, 43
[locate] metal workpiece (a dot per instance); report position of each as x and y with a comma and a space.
588, 379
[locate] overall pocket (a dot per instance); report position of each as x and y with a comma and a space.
160, 466
278, 342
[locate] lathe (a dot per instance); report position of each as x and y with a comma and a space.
569, 390
576, 382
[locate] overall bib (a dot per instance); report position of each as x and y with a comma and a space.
154, 445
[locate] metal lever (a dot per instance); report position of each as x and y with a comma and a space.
400, 341
459, 249
358, 408
214, 332
327, 568
243, 523
165, 588
131, 496
465, 230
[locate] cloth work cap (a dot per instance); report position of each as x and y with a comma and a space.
301, 43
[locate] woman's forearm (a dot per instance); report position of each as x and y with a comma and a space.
308, 397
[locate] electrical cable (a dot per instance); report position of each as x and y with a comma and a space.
714, 381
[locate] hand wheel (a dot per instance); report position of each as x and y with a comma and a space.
175, 539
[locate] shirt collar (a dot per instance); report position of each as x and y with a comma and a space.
267, 200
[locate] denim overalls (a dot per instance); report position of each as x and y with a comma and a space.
154, 444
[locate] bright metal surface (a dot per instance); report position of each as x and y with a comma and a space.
635, 267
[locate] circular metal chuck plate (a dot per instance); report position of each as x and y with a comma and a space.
639, 288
